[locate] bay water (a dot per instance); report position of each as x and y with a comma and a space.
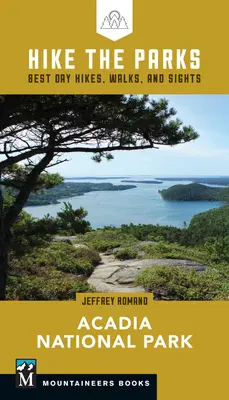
142, 205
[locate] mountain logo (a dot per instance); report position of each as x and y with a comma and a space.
114, 21
114, 18
26, 370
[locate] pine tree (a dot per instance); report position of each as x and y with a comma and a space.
123, 24
106, 24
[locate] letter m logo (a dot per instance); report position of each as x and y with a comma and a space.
26, 373
26, 381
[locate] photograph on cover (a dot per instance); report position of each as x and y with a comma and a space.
114, 193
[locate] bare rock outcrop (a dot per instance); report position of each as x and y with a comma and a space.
119, 276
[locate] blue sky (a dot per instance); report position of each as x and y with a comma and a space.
208, 155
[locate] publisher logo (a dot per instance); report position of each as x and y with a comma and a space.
114, 18
26, 373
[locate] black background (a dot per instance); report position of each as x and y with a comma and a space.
8, 388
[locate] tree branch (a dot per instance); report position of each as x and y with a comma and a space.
24, 193
20, 157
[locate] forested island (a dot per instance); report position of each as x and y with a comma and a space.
96, 178
195, 192
215, 180
150, 182
71, 189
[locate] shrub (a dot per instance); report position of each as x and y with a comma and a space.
154, 232
175, 283
57, 256
108, 239
67, 258
41, 275
175, 251
125, 254
48, 224
27, 235
218, 249
38, 288
103, 245
88, 254
73, 220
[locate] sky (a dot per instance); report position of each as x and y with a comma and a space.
208, 155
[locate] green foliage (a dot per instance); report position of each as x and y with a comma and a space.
125, 254
27, 234
99, 157
14, 179
67, 258
185, 225
218, 250
175, 251
51, 273
154, 232
68, 222
88, 254
49, 181
103, 245
48, 224
195, 192
128, 235
72, 220
58, 256
210, 224
40, 270
175, 283
38, 288
108, 239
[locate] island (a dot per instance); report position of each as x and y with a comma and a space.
195, 192
209, 180
71, 189
150, 182
96, 178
